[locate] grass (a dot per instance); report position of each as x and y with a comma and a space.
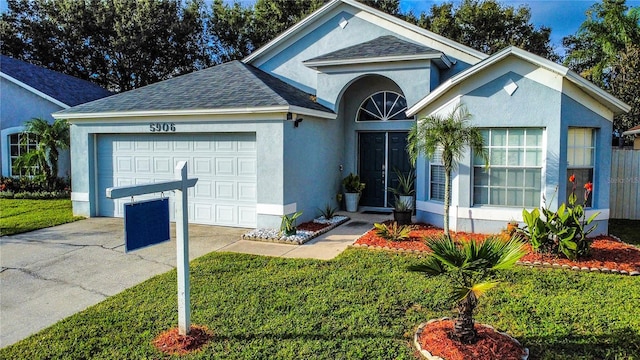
20, 215
626, 230
362, 305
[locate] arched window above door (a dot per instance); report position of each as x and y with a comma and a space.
383, 106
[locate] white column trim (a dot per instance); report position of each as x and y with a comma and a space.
79, 196
276, 209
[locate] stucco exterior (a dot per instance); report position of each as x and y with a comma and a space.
303, 153
17, 106
29, 91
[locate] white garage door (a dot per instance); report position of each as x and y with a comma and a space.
225, 165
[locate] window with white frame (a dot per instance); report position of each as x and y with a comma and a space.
514, 176
580, 161
20, 144
437, 177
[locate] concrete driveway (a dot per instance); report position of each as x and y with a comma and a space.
49, 274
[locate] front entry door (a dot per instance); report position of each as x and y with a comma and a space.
381, 153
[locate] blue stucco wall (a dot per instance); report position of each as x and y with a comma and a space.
17, 106
313, 153
532, 105
326, 38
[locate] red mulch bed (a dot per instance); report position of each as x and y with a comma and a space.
491, 344
172, 343
312, 226
606, 252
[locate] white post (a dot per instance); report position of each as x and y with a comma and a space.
182, 251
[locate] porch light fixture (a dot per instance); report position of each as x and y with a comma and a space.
297, 121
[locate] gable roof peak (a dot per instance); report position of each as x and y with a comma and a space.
461, 51
614, 104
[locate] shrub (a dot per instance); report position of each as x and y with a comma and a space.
562, 231
288, 225
35, 187
328, 212
33, 184
393, 232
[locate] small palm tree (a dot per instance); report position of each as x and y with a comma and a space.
471, 266
50, 139
450, 134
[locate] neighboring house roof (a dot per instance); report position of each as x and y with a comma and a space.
383, 48
608, 100
318, 14
232, 87
633, 131
64, 90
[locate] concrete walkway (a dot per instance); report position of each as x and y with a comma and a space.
49, 274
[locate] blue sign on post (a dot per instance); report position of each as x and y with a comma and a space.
146, 223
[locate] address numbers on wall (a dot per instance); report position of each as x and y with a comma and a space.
162, 127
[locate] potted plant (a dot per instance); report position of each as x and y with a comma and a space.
288, 224
352, 190
405, 190
402, 212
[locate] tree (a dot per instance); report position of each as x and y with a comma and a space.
626, 86
118, 44
50, 139
450, 134
605, 51
237, 30
487, 26
469, 265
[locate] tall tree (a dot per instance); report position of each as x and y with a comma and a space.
449, 134
238, 30
487, 26
119, 44
605, 51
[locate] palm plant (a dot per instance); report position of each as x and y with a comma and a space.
451, 134
472, 267
50, 139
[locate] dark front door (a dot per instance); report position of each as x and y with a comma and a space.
381, 153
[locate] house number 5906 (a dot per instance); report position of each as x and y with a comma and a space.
162, 127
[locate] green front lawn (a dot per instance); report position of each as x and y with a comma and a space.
19, 215
362, 305
626, 230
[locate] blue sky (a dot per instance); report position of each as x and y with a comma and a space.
562, 16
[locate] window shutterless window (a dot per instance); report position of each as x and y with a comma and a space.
437, 177
383, 106
580, 161
514, 176
17, 148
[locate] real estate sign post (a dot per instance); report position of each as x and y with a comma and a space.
181, 185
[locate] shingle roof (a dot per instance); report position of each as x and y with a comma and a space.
383, 46
228, 85
67, 89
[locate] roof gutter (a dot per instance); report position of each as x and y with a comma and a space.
196, 112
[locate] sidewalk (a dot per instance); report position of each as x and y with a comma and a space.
324, 247
50, 274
